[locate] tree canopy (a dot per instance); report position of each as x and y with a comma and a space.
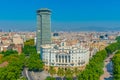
34, 63
116, 66
16, 63
94, 68
29, 42
29, 47
112, 47
8, 52
14, 68
118, 38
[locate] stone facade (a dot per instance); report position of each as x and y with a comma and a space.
65, 56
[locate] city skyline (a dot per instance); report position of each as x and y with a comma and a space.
78, 15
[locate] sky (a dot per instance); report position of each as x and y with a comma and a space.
76, 15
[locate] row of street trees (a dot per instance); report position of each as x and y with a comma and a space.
94, 69
114, 46
116, 62
116, 66
61, 72
116, 59
33, 61
92, 72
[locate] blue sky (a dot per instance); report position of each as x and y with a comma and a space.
70, 14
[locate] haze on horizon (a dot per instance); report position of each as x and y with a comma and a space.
72, 15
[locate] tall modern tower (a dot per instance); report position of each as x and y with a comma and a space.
43, 27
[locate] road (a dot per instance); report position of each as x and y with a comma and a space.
30, 75
27, 74
108, 69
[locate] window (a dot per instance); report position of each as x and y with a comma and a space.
59, 56
56, 60
62, 56
56, 56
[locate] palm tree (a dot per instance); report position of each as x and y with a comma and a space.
76, 72
69, 73
50, 78
52, 71
61, 72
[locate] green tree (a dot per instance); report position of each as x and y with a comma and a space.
29, 47
52, 71
118, 38
29, 42
50, 78
69, 73
16, 63
34, 63
116, 66
76, 72
29, 50
61, 72
14, 68
8, 52
94, 68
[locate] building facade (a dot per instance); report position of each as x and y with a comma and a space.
43, 27
65, 56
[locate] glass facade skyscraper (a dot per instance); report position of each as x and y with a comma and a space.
43, 27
